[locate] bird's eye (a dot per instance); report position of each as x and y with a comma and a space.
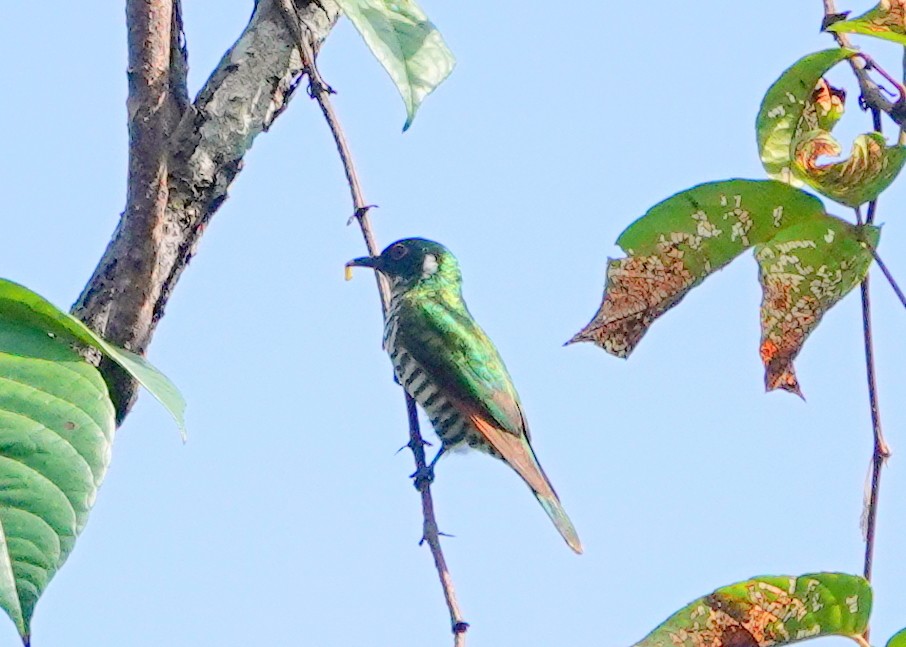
398, 251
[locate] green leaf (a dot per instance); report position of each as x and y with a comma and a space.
406, 43
809, 260
870, 169
784, 105
770, 610
804, 271
886, 21
56, 429
898, 639
18, 303
681, 241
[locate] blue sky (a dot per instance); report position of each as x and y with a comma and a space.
288, 517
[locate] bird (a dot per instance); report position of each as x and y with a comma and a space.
447, 363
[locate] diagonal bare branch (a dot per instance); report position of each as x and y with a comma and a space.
321, 92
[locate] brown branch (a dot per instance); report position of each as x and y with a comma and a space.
431, 533
152, 116
197, 150
872, 94
321, 92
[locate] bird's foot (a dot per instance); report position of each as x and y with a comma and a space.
423, 477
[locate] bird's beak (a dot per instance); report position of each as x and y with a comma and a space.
374, 262
365, 261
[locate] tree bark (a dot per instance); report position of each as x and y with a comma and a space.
183, 158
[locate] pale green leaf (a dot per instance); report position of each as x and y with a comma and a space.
406, 43
19, 303
56, 430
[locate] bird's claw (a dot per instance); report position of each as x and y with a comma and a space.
412, 445
422, 477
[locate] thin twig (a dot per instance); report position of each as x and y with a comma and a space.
889, 276
430, 533
872, 93
321, 92
881, 451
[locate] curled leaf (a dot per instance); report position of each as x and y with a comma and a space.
887, 21
681, 241
804, 271
824, 107
870, 169
796, 94
770, 610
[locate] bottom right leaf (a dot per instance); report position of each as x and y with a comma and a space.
770, 610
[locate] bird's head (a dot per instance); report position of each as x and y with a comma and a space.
411, 261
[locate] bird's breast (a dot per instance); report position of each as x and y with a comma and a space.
450, 424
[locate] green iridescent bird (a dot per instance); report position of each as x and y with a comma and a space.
450, 367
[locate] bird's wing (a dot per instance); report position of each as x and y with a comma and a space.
460, 359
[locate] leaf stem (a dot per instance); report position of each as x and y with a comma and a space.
321, 92
889, 276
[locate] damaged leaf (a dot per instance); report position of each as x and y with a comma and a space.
804, 271
808, 261
770, 610
797, 101
870, 169
886, 21
682, 240
824, 108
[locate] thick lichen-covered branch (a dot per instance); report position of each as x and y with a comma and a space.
189, 158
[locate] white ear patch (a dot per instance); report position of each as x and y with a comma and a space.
429, 265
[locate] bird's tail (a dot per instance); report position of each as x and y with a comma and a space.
555, 511
517, 451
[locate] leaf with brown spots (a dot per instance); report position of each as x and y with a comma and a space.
887, 21
681, 241
804, 271
870, 169
798, 101
793, 130
769, 610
